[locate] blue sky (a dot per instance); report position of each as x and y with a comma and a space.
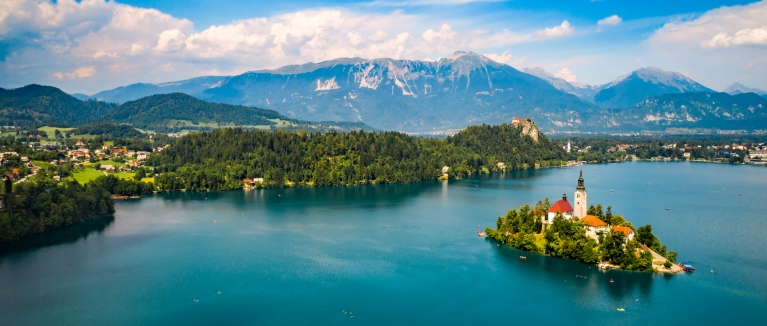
92, 45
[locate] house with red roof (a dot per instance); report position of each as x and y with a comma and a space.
627, 232
561, 206
594, 226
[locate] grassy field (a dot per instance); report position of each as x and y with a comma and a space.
51, 131
86, 175
89, 174
124, 175
106, 162
42, 164
148, 180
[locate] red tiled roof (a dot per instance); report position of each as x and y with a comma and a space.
592, 220
624, 229
561, 206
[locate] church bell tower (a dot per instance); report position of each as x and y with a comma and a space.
581, 206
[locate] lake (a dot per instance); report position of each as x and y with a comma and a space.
397, 254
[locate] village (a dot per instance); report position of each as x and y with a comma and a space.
78, 161
752, 153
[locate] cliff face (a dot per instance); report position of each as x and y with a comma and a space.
528, 127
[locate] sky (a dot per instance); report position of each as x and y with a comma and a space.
92, 45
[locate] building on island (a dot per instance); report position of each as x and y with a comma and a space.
248, 184
594, 226
627, 232
561, 206
580, 198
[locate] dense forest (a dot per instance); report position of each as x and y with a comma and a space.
35, 105
566, 238
221, 159
35, 207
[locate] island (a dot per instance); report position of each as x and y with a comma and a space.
588, 235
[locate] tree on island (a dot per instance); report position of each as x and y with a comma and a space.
567, 239
646, 237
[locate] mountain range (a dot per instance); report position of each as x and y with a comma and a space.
453, 92
460, 90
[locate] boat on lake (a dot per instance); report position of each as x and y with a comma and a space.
687, 267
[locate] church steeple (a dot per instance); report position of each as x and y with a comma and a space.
580, 182
581, 198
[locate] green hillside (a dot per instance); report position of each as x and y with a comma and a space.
37, 105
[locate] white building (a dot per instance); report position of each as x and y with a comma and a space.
561, 206
627, 232
594, 226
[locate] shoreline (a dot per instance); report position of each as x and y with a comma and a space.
608, 266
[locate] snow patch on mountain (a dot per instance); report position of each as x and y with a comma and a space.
327, 85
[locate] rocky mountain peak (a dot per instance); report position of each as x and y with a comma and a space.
738, 88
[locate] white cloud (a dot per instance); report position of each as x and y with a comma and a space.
567, 75
445, 33
722, 27
746, 36
146, 45
170, 40
563, 29
81, 72
100, 54
504, 57
609, 21
719, 47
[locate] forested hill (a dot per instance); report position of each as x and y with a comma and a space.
36, 105
506, 143
221, 159
179, 110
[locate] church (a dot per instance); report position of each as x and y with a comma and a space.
563, 206
593, 225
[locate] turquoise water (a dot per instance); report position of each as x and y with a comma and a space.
396, 254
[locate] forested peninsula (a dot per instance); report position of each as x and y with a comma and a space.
35, 207
221, 159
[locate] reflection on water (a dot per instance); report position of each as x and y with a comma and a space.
69, 234
586, 279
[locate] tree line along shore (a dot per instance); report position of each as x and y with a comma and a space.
221, 159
